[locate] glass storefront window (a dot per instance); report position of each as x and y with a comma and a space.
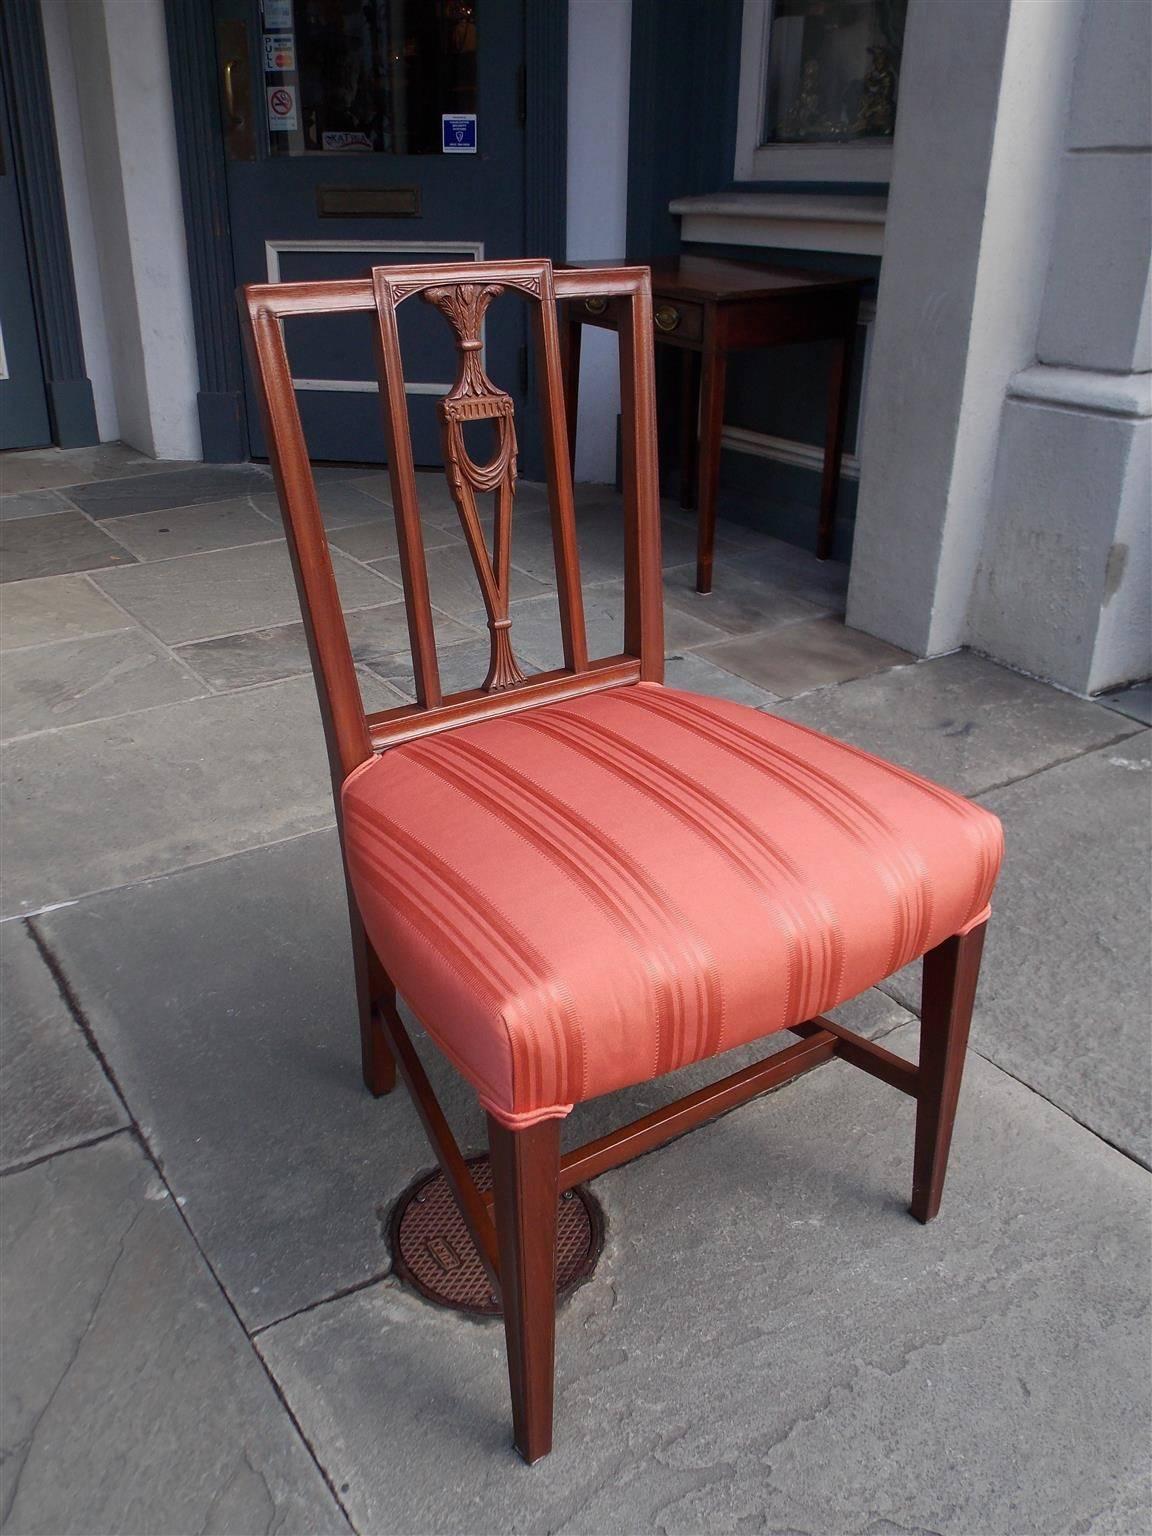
366, 76
833, 70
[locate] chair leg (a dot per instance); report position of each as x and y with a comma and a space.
949, 989
372, 988
525, 1182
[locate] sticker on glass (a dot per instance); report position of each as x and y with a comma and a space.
279, 52
282, 108
345, 140
459, 133
277, 14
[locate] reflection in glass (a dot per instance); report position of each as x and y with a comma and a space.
374, 76
833, 70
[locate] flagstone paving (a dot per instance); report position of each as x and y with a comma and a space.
202, 1332
132, 1399
54, 1092
771, 1343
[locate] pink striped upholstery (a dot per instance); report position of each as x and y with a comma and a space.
593, 893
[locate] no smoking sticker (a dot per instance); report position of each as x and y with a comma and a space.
282, 108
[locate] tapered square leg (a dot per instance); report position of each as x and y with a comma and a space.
949, 990
713, 371
689, 426
376, 1065
838, 382
571, 334
373, 988
525, 1184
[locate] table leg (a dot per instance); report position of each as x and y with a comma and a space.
689, 426
570, 334
712, 375
834, 441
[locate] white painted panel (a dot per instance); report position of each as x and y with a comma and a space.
795, 221
125, 107
78, 212
599, 64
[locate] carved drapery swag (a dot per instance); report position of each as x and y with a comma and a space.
474, 397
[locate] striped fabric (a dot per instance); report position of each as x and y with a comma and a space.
596, 892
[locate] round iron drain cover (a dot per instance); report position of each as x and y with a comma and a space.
433, 1252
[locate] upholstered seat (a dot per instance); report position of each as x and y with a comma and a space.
595, 892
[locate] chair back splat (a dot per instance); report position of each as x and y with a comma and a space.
463, 293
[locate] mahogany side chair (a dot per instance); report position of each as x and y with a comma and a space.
580, 880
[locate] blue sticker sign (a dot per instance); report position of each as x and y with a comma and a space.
459, 133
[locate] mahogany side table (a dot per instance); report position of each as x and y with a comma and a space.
707, 308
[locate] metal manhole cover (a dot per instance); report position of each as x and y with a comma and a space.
433, 1252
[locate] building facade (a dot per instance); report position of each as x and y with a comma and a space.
997, 490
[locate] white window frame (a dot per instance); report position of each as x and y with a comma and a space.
864, 160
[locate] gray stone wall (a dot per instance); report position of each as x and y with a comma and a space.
1063, 588
1004, 492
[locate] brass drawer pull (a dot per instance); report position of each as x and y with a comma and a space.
667, 317
596, 306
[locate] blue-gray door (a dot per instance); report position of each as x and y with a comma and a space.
337, 113
23, 405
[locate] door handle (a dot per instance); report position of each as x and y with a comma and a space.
235, 118
235, 89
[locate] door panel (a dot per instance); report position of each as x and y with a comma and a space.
333, 361
363, 86
24, 419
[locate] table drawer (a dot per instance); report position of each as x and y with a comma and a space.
672, 317
677, 317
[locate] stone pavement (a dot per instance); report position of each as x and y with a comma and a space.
201, 1330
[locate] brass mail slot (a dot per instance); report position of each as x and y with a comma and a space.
368, 202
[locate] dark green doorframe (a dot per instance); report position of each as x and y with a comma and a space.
682, 117
204, 194
36, 161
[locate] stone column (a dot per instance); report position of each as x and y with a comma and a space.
1063, 587
125, 105
984, 97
